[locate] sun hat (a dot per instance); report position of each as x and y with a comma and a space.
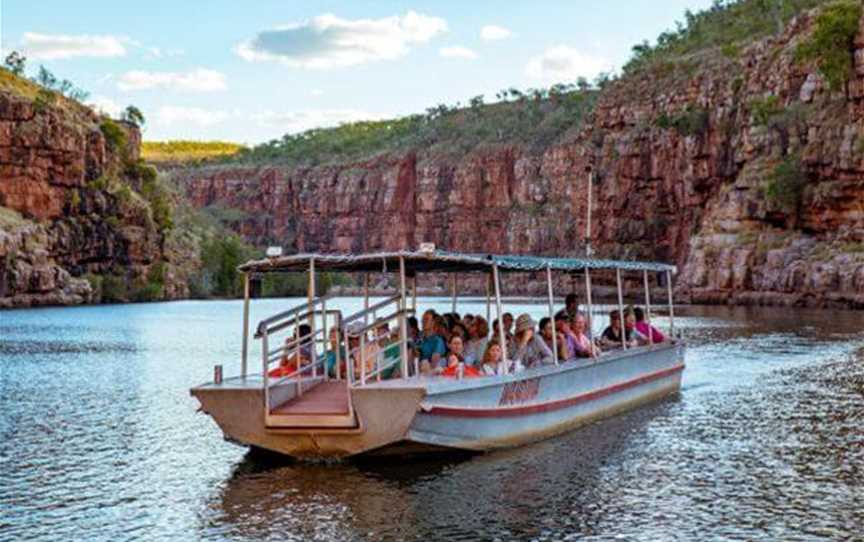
524, 322
355, 328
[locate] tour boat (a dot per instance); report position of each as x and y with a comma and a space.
306, 411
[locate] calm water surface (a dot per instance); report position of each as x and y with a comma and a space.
100, 440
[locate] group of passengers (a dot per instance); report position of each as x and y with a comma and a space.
454, 345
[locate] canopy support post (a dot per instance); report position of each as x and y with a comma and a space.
265, 358
671, 305
244, 359
621, 309
590, 308
488, 302
339, 337
312, 351
325, 341
552, 315
414, 294
503, 368
455, 294
648, 307
403, 329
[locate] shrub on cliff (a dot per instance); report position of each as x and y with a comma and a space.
786, 184
115, 137
157, 194
832, 42
691, 121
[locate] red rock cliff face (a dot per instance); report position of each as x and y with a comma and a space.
58, 218
684, 158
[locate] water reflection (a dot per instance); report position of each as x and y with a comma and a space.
485, 496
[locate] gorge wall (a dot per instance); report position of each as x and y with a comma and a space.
71, 217
745, 170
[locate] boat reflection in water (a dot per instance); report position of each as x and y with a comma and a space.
478, 496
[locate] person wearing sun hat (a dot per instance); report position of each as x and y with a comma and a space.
528, 347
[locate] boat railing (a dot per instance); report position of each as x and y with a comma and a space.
368, 358
287, 318
371, 310
376, 355
298, 352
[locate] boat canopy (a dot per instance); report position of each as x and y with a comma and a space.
440, 261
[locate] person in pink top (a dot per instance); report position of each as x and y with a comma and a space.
646, 329
584, 347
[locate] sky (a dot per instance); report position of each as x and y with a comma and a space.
254, 70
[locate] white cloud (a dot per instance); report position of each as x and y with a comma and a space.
169, 115
58, 46
562, 63
198, 80
316, 92
105, 105
457, 52
492, 32
326, 41
299, 121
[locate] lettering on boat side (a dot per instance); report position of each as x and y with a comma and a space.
519, 392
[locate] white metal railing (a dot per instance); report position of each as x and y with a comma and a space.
294, 348
357, 358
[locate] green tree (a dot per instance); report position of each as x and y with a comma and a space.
15, 62
133, 115
832, 43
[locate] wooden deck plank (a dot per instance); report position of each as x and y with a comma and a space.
329, 397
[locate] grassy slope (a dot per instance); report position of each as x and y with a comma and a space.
160, 152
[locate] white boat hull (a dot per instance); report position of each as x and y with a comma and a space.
479, 414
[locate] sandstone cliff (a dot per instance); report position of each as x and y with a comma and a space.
744, 169
71, 206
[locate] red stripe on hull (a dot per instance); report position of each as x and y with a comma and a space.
502, 412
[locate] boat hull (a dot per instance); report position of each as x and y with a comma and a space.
481, 414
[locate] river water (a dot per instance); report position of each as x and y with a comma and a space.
100, 440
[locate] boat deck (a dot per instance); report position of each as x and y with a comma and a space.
327, 398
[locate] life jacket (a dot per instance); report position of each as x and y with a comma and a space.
468, 372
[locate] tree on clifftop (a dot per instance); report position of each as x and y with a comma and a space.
15, 62
134, 115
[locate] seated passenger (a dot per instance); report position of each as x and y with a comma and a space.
460, 330
571, 307
562, 326
413, 329
630, 327
292, 357
584, 347
611, 337
646, 329
476, 344
456, 360
492, 362
468, 320
455, 350
491, 358
508, 324
442, 328
527, 346
546, 331
390, 349
330, 358
431, 346
363, 362
507, 336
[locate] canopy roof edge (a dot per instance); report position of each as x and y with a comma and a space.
441, 262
